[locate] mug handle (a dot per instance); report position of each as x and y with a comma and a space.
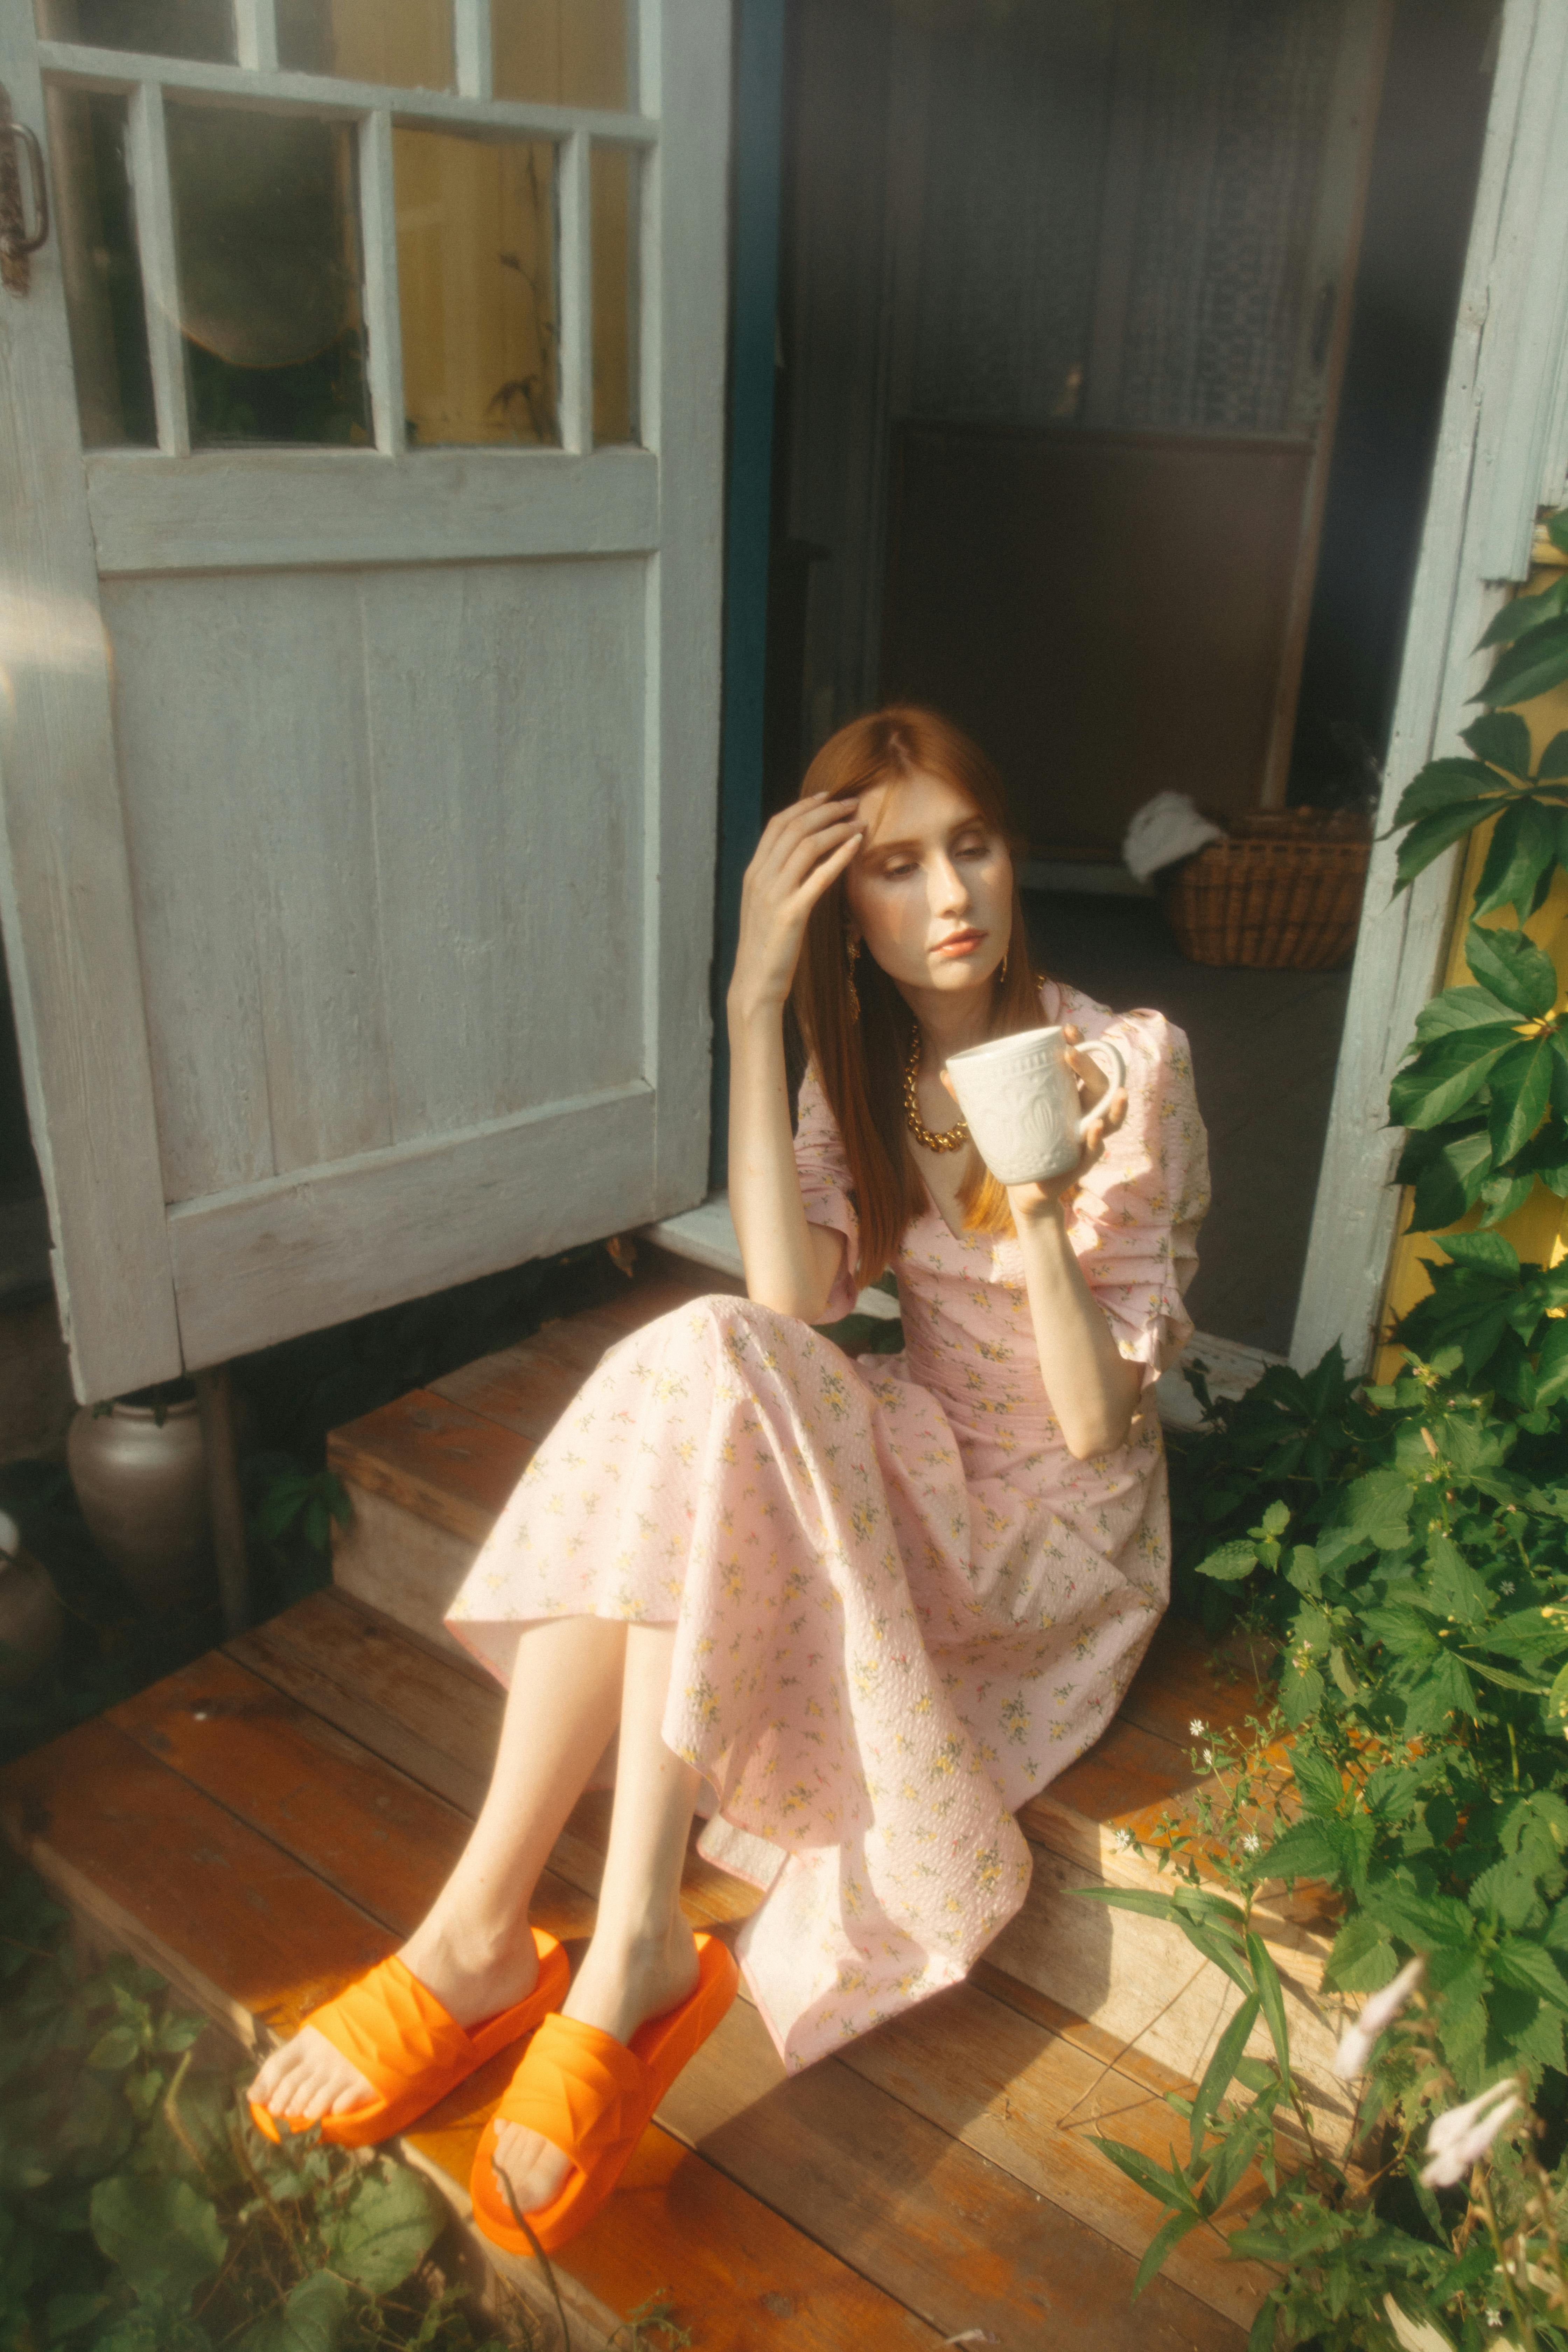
1101, 1046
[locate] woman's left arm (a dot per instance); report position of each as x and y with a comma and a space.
1093, 1389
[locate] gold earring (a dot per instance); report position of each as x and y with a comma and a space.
1003, 973
853, 946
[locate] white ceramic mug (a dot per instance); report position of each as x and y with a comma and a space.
1021, 1102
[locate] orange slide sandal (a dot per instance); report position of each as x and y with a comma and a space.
593, 2098
408, 2049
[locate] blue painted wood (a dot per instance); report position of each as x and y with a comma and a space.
755, 182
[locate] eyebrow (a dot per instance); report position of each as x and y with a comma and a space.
889, 848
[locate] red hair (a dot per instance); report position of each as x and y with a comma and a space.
861, 1062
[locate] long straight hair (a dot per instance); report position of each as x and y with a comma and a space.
861, 1062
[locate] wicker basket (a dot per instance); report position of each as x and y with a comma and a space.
1283, 894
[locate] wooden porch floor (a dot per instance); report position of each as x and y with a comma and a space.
265, 1823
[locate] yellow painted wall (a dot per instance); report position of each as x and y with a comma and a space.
1539, 1231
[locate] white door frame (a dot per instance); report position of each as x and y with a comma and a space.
1502, 451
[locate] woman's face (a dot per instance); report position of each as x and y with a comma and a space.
931, 888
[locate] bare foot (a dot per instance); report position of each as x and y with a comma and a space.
618, 1993
308, 2078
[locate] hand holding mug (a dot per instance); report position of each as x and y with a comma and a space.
1040, 1107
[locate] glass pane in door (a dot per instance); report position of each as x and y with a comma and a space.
101, 269
159, 28
475, 276
615, 178
267, 227
568, 52
406, 42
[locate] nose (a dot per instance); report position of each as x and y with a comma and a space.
948, 891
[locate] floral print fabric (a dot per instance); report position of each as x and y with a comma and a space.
902, 1606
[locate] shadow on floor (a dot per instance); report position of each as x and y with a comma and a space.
1265, 1044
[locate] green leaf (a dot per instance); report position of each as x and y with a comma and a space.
1426, 1922
1522, 613
119, 2048
1502, 736
1450, 1181
1261, 2334
1518, 1961
1378, 1507
1169, 2233
1461, 1008
1491, 1252
67, 2312
1520, 1088
1222, 2066
1551, 1368
1429, 837
1305, 1850
1169, 2187
1271, 1993
1532, 664
1519, 860
1462, 1596
1230, 1563
310, 2320
388, 2226
1513, 968
1318, 1778
1443, 784
1445, 1076
162, 2234
1557, 529
1362, 1959
1554, 759
1142, 1899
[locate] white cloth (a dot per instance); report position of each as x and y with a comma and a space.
1169, 827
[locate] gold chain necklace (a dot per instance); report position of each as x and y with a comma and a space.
952, 1137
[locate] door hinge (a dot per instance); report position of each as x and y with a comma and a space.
16, 240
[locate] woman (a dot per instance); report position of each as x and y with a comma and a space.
875, 1605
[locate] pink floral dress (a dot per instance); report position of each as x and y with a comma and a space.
902, 1606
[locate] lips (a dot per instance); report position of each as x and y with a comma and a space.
959, 942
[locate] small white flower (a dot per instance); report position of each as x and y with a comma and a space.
1208, 1754
1463, 2136
1506, 1587
1251, 1842
1124, 1842
1355, 2047
1493, 2315
1197, 1726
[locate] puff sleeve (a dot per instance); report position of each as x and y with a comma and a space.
1136, 1215
824, 1173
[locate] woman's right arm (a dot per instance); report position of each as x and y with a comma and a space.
790, 1266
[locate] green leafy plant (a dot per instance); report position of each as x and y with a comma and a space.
140, 2209
1404, 1547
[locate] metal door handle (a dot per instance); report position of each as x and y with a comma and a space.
15, 240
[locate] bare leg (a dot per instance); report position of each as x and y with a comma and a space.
642, 1960
471, 1952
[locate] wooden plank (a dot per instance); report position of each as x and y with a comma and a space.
337, 96
147, 167
233, 510
957, 2237
434, 1458
683, 282
471, 42
301, 1251
574, 249
257, 908
65, 882
402, 1564
983, 2078
257, 1940
245, 1930
384, 326
395, 1699
741, 2278
505, 703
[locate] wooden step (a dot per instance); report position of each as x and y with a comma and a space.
263, 1824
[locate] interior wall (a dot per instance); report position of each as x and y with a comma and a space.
1104, 214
